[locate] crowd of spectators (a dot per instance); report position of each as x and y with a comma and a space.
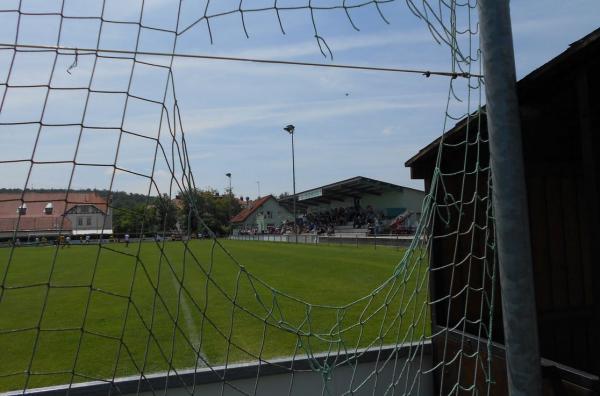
325, 222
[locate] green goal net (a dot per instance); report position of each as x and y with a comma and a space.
97, 77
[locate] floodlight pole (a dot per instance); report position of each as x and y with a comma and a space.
510, 200
290, 129
228, 174
294, 188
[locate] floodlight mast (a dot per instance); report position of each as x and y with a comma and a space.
290, 129
228, 174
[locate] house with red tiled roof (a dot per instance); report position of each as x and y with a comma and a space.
260, 214
54, 213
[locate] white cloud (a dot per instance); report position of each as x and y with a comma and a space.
337, 44
225, 117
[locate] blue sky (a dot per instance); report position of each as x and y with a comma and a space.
233, 113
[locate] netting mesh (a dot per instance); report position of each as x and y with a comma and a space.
77, 72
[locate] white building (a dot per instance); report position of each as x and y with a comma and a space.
261, 214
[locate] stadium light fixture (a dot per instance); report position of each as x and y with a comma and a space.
229, 176
290, 129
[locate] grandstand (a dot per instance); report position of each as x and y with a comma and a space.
358, 206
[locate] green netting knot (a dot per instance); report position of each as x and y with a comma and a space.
326, 371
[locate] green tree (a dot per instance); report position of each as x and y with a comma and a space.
137, 219
214, 209
165, 213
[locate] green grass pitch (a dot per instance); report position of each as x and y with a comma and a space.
72, 306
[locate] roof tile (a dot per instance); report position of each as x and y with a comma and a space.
244, 214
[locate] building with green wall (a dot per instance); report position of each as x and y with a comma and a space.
385, 198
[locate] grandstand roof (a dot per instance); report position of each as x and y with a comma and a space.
244, 214
354, 187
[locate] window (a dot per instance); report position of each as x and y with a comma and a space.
80, 221
22, 210
88, 221
49, 208
84, 209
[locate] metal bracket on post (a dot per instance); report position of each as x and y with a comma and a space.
510, 200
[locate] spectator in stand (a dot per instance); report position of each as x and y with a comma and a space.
320, 222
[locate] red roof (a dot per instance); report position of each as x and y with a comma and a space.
244, 214
35, 223
35, 218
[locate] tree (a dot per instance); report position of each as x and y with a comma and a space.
212, 208
138, 219
165, 214
137, 213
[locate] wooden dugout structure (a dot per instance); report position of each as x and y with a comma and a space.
560, 118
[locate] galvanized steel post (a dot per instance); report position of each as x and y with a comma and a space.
510, 200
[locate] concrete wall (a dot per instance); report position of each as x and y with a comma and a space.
285, 238
376, 371
399, 241
310, 383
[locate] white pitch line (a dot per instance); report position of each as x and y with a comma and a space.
193, 332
